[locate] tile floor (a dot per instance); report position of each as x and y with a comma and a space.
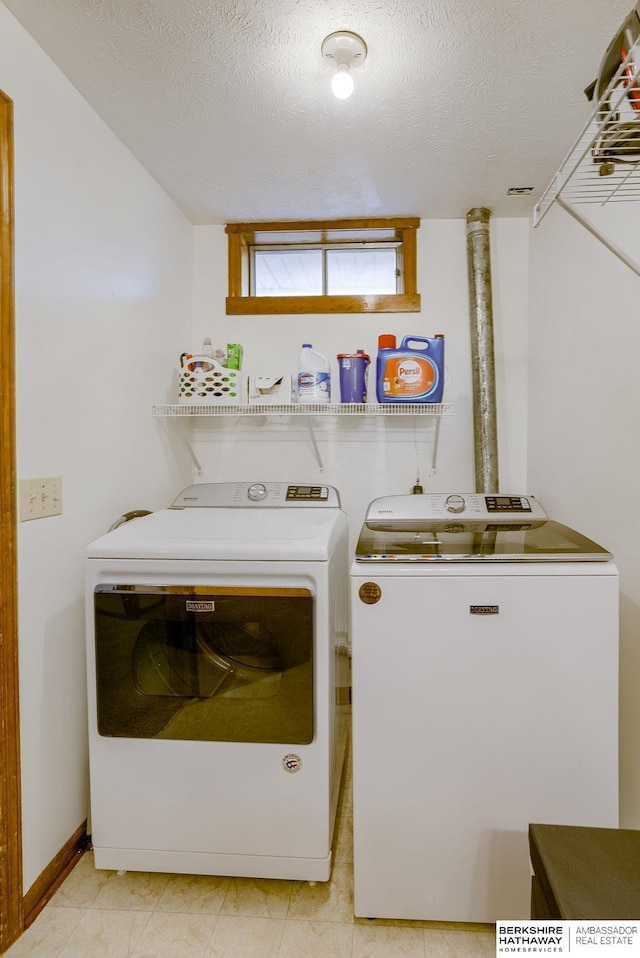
99, 914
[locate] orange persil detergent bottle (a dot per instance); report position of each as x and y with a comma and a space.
413, 372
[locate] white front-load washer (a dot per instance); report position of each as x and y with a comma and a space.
485, 681
218, 683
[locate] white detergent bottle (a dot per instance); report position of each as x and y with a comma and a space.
207, 347
314, 376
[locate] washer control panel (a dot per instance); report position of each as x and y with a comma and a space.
441, 508
252, 495
479, 506
507, 504
308, 493
518, 504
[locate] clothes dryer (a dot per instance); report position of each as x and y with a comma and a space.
218, 681
485, 697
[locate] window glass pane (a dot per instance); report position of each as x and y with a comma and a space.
288, 272
361, 272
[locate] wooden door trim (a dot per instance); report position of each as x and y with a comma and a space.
11, 897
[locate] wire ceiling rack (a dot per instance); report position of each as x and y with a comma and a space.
603, 166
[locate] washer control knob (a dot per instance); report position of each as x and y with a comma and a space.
257, 491
455, 504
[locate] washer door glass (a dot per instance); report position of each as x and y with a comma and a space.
213, 664
468, 541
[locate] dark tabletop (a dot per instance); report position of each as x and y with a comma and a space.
588, 873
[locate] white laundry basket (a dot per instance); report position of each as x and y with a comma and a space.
204, 381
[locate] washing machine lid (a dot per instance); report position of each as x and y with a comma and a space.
469, 527
223, 523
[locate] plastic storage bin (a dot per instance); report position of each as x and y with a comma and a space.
204, 381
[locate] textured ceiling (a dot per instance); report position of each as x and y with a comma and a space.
227, 102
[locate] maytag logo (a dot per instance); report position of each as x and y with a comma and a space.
200, 605
484, 609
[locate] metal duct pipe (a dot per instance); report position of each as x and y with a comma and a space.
485, 433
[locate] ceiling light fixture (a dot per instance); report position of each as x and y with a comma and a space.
344, 49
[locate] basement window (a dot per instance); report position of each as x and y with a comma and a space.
339, 266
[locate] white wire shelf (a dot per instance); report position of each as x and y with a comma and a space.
603, 166
309, 413
303, 409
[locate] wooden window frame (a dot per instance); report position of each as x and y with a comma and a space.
240, 303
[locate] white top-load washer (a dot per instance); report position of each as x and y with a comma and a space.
485, 697
218, 678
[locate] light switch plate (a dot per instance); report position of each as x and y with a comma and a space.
40, 497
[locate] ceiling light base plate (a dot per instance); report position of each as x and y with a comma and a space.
344, 47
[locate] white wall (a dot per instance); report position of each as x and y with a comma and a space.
369, 460
584, 423
103, 302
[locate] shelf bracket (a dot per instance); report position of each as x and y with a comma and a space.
196, 462
314, 443
188, 444
627, 260
436, 440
